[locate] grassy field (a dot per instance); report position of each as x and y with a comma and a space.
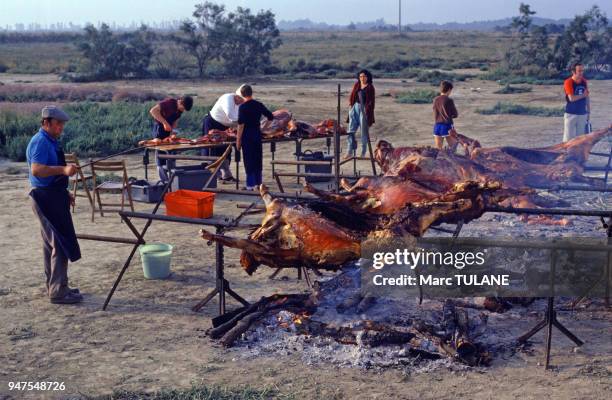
40, 58
388, 53
306, 54
95, 128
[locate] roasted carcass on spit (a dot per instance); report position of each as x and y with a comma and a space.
514, 167
293, 236
517, 169
327, 234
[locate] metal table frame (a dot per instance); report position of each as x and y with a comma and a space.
173, 149
550, 315
222, 285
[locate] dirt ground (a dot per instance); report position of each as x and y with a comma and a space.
149, 338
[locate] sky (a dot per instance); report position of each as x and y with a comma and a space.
339, 12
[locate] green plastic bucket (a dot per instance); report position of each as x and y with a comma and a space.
156, 260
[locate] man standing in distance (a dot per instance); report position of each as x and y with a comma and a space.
577, 106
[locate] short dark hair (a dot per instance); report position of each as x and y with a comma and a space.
187, 102
574, 65
367, 73
246, 91
446, 86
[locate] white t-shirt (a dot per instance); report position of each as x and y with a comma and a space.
225, 110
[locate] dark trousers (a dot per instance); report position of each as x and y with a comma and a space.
252, 155
55, 261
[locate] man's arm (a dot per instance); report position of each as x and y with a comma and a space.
453, 109
576, 97
588, 105
45, 171
267, 113
155, 112
231, 109
569, 91
239, 136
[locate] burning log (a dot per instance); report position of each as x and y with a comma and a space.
451, 338
231, 327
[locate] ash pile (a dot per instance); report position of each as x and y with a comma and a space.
338, 325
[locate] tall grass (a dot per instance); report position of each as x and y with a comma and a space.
19, 93
512, 90
95, 129
518, 109
198, 393
419, 96
436, 76
308, 54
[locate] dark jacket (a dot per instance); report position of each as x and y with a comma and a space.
444, 110
369, 105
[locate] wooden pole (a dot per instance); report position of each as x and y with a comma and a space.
399, 23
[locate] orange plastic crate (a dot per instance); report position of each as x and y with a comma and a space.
189, 203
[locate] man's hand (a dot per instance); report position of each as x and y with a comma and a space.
167, 127
238, 144
70, 170
72, 200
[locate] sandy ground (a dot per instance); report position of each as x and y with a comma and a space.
149, 339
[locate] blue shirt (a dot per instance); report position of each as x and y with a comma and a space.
578, 107
42, 149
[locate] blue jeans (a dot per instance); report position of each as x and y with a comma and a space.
357, 119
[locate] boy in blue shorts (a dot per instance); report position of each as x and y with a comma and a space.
444, 112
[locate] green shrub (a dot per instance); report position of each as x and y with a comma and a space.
510, 108
434, 77
20, 93
15, 148
197, 392
512, 89
419, 96
94, 129
505, 77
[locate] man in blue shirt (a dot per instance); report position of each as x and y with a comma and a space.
48, 174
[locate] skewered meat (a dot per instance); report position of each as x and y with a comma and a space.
515, 167
292, 236
328, 127
172, 139
278, 126
327, 235
217, 136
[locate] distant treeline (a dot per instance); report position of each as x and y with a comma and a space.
217, 43
39, 37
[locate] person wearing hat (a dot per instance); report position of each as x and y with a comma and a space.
166, 115
48, 175
249, 137
222, 116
